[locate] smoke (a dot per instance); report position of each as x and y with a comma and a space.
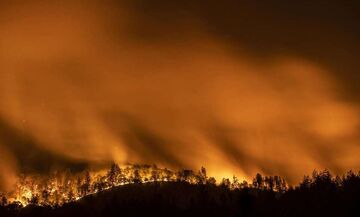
87, 83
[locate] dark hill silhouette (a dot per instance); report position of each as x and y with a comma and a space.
318, 195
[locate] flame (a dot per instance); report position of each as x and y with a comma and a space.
81, 84
63, 188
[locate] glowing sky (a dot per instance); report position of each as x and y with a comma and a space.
236, 86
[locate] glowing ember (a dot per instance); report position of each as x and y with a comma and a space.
66, 187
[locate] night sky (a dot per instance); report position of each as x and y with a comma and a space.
236, 86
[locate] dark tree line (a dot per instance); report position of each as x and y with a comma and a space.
160, 192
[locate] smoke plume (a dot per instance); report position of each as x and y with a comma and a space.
178, 84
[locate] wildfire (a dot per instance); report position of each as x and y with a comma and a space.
66, 187
63, 188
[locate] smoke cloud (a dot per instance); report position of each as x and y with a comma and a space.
237, 88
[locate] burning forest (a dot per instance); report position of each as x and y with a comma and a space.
66, 193
234, 86
61, 188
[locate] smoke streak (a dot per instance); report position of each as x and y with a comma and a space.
90, 83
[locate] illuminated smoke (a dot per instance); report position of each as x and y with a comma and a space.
79, 87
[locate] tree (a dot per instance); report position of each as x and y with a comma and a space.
202, 176
211, 181
86, 186
154, 175
338, 181
79, 187
225, 183
258, 181
45, 194
113, 174
71, 196
57, 198
244, 184
137, 176
284, 185
127, 175
278, 183
100, 184
269, 183
167, 174
87, 181
306, 183
186, 176
3, 200
235, 184
323, 180
67, 181
34, 199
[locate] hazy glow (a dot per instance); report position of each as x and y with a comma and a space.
74, 79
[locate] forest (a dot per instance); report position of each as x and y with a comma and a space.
144, 190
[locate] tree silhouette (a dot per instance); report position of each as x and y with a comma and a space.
306, 182
70, 196
211, 181
225, 183
202, 176
137, 176
3, 200
270, 183
320, 194
113, 174
244, 184
85, 187
235, 183
154, 175
45, 194
34, 199
79, 187
167, 174
258, 181
186, 176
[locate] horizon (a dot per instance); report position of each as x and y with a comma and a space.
238, 87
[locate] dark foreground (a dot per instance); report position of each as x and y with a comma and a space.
322, 196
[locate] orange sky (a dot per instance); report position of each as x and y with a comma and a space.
179, 85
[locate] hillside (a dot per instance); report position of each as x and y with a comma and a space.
318, 196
